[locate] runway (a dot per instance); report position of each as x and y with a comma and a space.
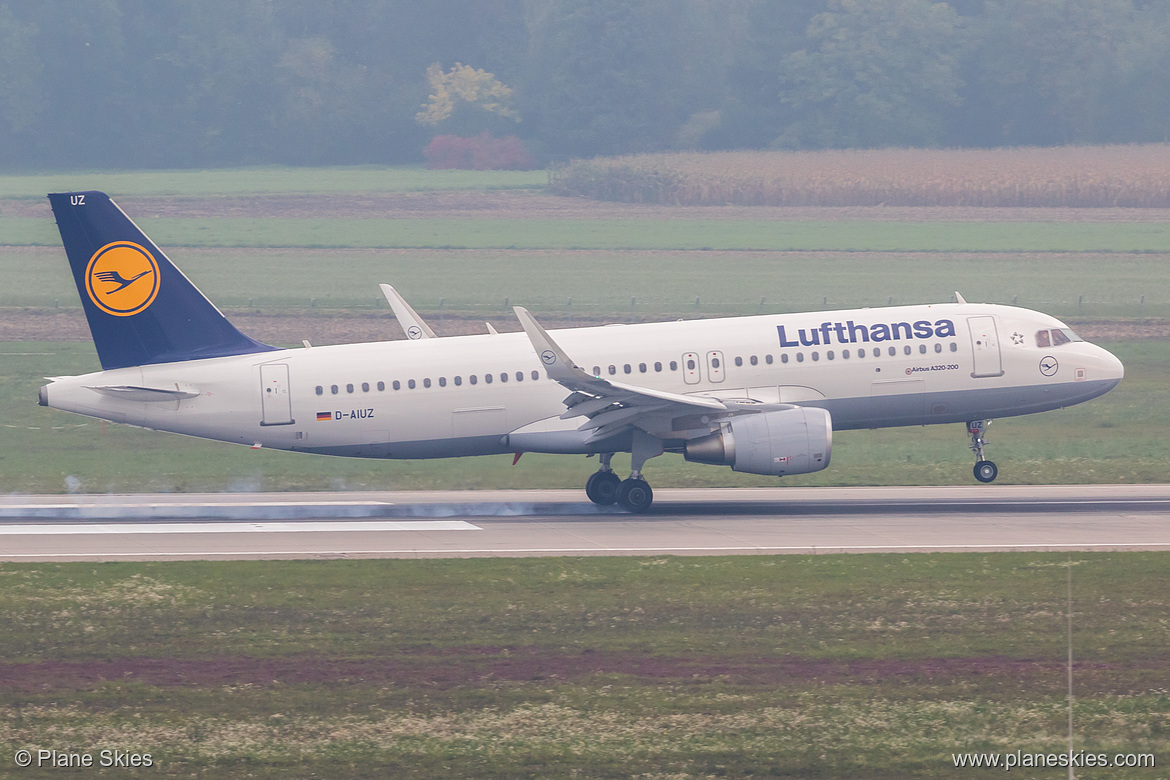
444, 524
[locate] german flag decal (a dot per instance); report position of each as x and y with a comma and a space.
324, 416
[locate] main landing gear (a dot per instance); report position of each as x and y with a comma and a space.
634, 494
985, 470
605, 487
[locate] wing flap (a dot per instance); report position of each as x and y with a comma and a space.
610, 407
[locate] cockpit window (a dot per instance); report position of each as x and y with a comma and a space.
1055, 337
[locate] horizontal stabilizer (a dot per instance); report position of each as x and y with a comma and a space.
147, 394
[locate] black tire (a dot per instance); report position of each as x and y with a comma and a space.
986, 471
635, 495
602, 487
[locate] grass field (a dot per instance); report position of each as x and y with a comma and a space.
642, 234
603, 282
875, 666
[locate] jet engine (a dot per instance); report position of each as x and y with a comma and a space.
792, 441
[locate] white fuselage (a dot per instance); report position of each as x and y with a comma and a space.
474, 395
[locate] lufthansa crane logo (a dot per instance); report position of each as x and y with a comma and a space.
122, 278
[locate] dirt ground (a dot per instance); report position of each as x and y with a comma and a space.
341, 327
532, 204
462, 666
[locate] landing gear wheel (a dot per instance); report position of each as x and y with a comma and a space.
986, 471
602, 487
635, 495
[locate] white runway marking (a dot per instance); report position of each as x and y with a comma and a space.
48, 529
602, 551
110, 506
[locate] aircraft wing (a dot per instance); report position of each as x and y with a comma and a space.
612, 406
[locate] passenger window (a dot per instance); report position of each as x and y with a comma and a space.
674, 365
1042, 339
519, 376
641, 368
487, 379
458, 380
658, 366
503, 376
906, 349
442, 381
427, 382
690, 365
349, 388
799, 357
612, 370
381, 387
768, 359
473, 379
535, 375
714, 362
921, 349
397, 385
320, 390
861, 352
784, 358
938, 348
893, 351
755, 361
410, 384
365, 387
333, 389
829, 354
627, 368
738, 361
954, 347
844, 354
597, 371
816, 356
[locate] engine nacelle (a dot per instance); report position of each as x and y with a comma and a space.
793, 441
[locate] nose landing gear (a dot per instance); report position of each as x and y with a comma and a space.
985, 470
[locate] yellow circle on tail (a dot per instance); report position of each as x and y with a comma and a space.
122, 278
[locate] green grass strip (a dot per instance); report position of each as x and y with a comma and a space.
670, 234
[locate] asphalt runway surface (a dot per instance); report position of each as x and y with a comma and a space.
442, 524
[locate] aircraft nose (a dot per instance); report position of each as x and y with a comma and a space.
1110, 366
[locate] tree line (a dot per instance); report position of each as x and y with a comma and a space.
174, 83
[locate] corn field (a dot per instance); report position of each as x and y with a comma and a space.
1069, 176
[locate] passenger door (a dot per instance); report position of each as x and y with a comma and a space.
275, 399
985, 347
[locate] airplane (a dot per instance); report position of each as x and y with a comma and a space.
760, 394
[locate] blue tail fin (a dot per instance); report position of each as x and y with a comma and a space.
141, 308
